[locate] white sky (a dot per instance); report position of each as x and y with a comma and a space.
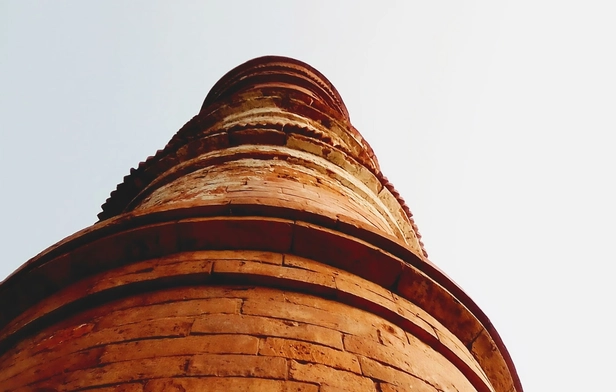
494, 120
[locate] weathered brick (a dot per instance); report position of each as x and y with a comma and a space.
61, 336
189, 345
303, 191
141, 243
50, 384
292, 297
303, 351
153, 270
325, 375
351, 289
264, 326
144, 299
109, 314
352, 283
390, 355
400, 218
419, 316
418, 359
236, 233
292, 260
403, 380
43, 307
357, 291
329, 388
170, 327
227, 384
439, 303
248, 255
489, 357
237, 365
371, 323
304, 143
182, 294
376, 301
342, 321
257, 136
132, 387
171, 309
42, 348
352, 167
453, 344
346, 252
390, 334
385, 387
157, 328
80, 360
126, 371
276, 275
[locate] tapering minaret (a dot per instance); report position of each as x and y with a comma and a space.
261, 250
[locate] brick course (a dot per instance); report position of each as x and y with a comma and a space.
251, 332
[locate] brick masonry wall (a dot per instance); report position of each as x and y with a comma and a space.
272, 182
238, 336
235, 337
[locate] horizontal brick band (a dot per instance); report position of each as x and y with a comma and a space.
308, 241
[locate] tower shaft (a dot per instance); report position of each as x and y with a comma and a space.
261, 249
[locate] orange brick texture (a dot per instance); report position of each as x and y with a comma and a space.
193, 336
261, 250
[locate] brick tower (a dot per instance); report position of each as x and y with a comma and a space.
262, 249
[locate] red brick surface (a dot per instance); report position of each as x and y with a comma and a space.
226, 331
249, 322
261, 249
227, 384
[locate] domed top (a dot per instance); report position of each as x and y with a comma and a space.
269, 71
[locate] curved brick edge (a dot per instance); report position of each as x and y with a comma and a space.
418, 281
253, 71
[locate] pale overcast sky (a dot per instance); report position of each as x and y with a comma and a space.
495, 121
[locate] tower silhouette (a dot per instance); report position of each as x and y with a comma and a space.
262, 249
